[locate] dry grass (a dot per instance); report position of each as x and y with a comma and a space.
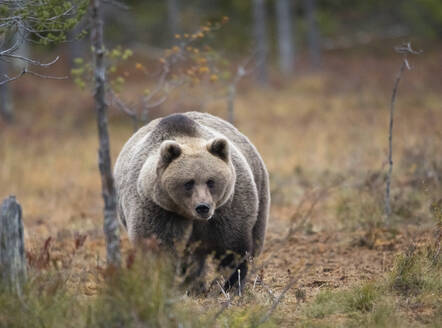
323, 131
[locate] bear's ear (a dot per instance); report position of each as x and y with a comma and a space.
219, 147
169, 150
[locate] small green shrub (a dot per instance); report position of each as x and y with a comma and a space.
359, 209
248, 317
365, 305
43, 302
324, 304
382, 315
146, 293
357, 299
417, 271
362, 298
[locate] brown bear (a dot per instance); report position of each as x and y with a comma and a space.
194, 176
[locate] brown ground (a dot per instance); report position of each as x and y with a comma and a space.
318, 130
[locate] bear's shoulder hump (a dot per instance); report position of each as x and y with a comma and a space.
178, 125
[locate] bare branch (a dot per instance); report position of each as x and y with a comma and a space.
241, 72
157, 103
405, 50
226, 295
278, 300
239, 282
44, 76
10, 79
305, 216
27, 71
115, 100
275, 304
268, 290
11, 49
66, 13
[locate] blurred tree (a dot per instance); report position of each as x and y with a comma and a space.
6, 108
261, 39
173, 16
285, 36
76, 46
313, 33
425, 16
321, 24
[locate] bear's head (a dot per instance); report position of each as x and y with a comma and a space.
193, 177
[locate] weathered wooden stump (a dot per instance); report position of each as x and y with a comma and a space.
12, 246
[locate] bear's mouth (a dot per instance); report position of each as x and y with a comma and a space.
203, 216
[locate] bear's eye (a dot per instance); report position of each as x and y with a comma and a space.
189, 185
210, 183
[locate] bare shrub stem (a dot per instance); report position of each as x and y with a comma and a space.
404, 49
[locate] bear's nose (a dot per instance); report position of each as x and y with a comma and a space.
203, 209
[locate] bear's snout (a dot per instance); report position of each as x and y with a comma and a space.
203, 210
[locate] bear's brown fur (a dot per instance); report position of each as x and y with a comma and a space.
194, 176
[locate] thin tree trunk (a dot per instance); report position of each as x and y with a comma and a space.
313, 33
173, 16
12, 246
285, 36
261, 39
6, 107
111, 228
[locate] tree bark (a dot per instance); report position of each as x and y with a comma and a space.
261, 39
6, 108
313, 33
12, 246
285, 36
110, 226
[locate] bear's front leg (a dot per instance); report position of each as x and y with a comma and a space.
239, 266
194, 274
240, 271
